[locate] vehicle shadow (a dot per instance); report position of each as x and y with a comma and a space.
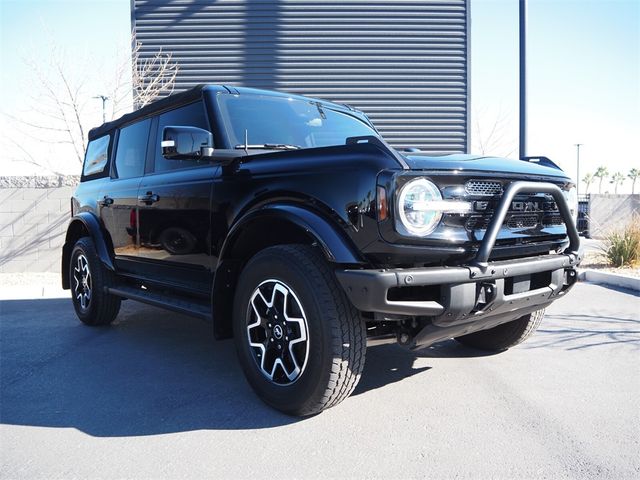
150, 373
155, 372
387, 364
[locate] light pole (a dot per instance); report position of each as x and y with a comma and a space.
578, 145
104, 99
523, 76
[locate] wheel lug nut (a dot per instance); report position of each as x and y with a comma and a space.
270, 325
286, 338
279, 347
271, 339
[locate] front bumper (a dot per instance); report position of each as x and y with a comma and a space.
461, 287
481, 295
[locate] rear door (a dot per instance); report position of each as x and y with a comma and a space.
119, 196
174, 210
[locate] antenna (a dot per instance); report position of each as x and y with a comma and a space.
246, 141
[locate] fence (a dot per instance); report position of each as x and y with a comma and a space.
608, 212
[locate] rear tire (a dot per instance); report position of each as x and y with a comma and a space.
504, 336
300, 342
88, 279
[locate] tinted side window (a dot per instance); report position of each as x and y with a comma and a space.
132, 149
97, 156
192, 115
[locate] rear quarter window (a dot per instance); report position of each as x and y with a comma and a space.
131, 151
96, 157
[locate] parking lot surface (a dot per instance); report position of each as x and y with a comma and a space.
154, 396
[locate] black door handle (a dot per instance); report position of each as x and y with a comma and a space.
106, 201
149, 198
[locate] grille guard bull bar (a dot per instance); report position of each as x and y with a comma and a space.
458, 310
500, 214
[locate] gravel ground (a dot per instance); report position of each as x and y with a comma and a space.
154, 397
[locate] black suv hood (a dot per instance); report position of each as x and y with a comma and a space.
479, 163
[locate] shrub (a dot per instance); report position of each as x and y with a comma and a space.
622, 246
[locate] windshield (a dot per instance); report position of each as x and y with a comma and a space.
282, 121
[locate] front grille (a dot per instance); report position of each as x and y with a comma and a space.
522, 221
529, 214
483, 188
552, 220
513, 221
477, 223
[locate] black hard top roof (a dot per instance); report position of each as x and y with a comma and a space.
192, 95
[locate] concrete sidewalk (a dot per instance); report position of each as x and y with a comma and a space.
24, 286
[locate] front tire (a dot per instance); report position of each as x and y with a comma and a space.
300, 342
88, 279
504, 336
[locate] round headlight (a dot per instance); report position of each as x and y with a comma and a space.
572, 199
414, 217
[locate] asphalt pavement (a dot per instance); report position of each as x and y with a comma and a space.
154, 396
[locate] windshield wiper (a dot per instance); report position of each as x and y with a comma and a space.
268, 146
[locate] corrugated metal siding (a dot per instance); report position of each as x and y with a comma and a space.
404, 62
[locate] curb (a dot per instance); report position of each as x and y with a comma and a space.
610, 279
31, 293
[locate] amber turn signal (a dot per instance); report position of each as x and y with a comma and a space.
383, 206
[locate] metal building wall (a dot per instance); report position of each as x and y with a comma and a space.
404, 63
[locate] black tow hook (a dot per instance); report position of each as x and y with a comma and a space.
405, 339
486, 296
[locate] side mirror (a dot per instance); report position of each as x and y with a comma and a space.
180, 143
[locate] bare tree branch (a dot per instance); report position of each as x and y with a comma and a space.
29, 159
490, 136
152, 76
60, 112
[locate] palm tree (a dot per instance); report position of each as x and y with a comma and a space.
634, 174
617, 178
601, 173
588, 180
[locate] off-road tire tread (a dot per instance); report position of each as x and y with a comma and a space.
107, 306
347, 326
348, 332
506, 335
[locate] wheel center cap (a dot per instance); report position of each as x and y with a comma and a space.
278, 332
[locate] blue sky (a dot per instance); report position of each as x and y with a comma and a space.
584, 79
584, 68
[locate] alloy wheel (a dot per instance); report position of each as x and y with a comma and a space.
82, 282
277, 332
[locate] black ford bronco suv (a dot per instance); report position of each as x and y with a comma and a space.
294, 228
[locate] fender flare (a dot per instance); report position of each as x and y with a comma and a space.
334, 244
90, 224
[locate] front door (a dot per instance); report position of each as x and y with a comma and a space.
174, 210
